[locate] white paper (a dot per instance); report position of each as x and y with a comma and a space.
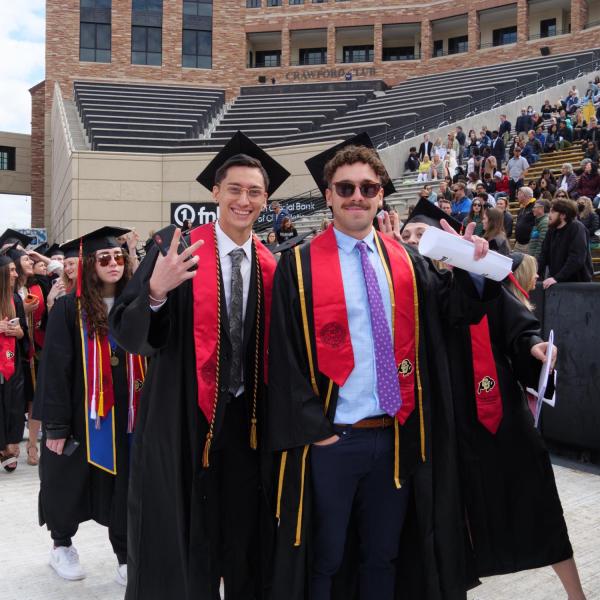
543, 381
458, 252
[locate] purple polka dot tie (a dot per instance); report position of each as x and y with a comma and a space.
388, 388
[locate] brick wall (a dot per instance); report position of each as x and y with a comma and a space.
37, 153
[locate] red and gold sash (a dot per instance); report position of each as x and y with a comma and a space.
38, 314
8, 346
488, 397
335, 357
206, 288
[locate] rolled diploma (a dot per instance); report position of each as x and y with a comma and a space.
458, 252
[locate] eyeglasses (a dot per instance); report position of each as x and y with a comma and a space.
476, 204
346, 189
238, 190
105, 258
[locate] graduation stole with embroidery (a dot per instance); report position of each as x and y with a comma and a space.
335, 357
488, 398
8, 346
100, 396
206, 287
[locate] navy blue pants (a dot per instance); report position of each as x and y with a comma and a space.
357, 471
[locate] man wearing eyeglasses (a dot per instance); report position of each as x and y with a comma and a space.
199, 497
355, 358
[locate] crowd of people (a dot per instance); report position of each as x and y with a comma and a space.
303, 428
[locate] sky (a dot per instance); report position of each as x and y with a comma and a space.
22, 31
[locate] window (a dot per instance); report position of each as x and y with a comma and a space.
147, 5
273, 2
268, 58
252, 3
94, 30
197, 49
313, 56
457, 45
146, 45
353, 54
438, 48
296, 1
548, 28
319, 1
201, 8
506, 35
400, 53
7, 158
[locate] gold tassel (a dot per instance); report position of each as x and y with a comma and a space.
253, 436
397, 454
206, 452
298, 541
280, 485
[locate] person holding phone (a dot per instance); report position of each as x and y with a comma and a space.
201, 481
12, 414
90, 388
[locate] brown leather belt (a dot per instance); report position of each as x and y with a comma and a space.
373, 423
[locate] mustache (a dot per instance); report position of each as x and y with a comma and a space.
359, 204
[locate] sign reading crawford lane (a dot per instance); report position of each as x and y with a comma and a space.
326, 73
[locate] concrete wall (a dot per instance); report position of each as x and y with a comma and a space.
395, 156
19, 180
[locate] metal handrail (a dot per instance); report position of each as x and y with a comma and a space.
443, 123
439, 53
487, 103
539, 36
493, 45
541, 88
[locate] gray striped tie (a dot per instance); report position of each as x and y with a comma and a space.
235, 320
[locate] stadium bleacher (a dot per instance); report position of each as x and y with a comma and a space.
164, 119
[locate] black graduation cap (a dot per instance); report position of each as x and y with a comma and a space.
41, 248
53, 251
428, 213
5, 260
292, 242
316, 164
517, 259
105, 237
241, 144
10, 236
13, 252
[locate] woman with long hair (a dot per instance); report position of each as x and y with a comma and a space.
524, 278
474, 215
589, 218
12, 413
493, 230
90, 390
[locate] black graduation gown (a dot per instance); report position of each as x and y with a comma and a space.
12, 403
513, 510
432, 556
73, 491
173, 501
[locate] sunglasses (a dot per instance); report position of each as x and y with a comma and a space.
346, 189
474, 204
105, 258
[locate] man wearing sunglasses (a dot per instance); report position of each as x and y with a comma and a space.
355, 361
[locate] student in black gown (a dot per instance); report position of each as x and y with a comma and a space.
90, 387
12, 413
308, 344
201, 487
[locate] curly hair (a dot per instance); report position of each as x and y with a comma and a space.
92, 303
351, 155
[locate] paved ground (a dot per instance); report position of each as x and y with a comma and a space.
25, 547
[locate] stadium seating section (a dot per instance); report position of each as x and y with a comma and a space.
161, 118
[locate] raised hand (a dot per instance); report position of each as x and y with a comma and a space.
539, 351
172, 270
482, 246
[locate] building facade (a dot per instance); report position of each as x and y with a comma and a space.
232, 43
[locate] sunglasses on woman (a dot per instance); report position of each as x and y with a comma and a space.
477, 204
368, 189
105, 258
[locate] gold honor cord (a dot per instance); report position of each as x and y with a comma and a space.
260, 290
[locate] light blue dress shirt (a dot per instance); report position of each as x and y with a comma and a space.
358, 397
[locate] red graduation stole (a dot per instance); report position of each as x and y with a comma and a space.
38, 314
488, 397
8, 347
335, 357
206, 287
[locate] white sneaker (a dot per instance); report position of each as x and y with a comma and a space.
121, 576
65, 561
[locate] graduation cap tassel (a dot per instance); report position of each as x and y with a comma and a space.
253, 437
397, 482
205, 454
80, 269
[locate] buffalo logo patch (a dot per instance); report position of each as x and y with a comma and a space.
405, 368
332, 334
10, 355
487, 384
138, 385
